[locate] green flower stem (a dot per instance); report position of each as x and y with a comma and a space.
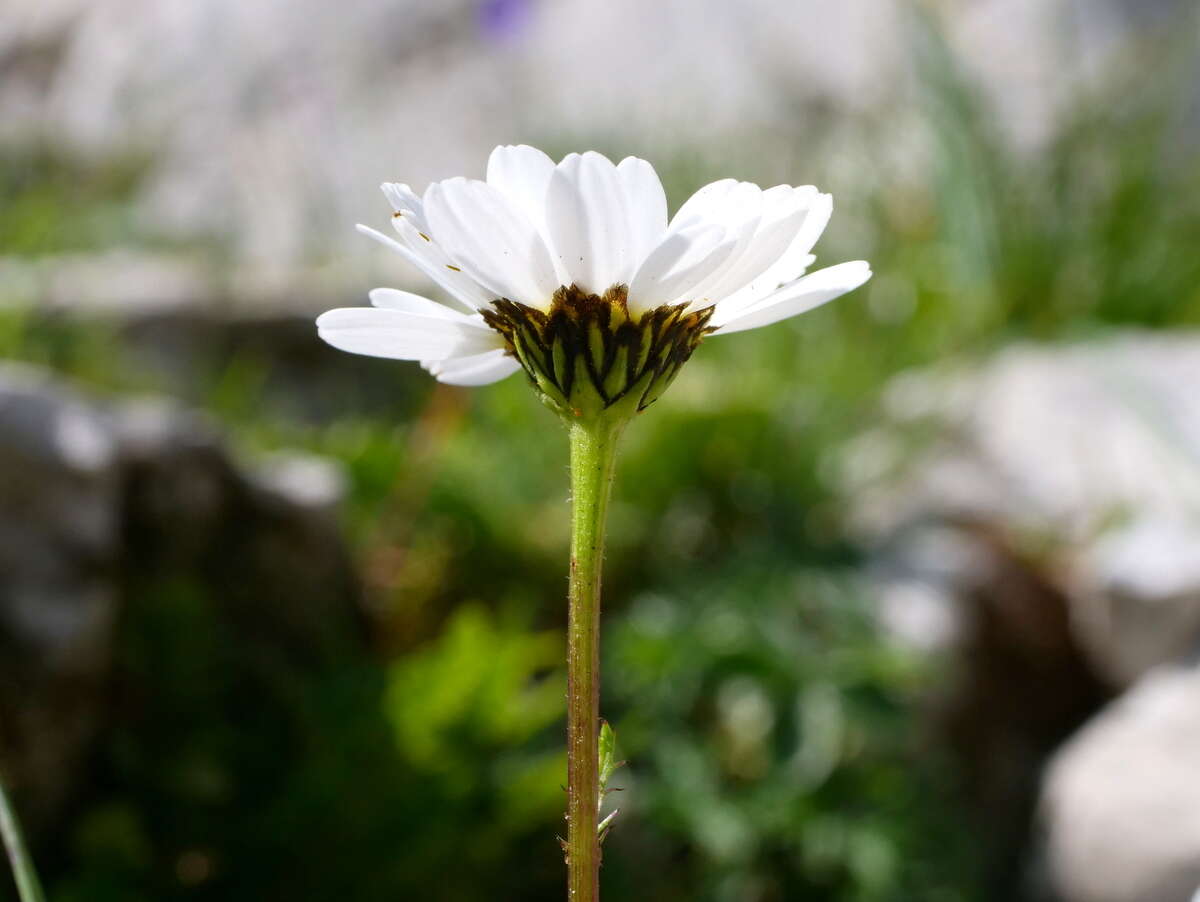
593, 455
27, 882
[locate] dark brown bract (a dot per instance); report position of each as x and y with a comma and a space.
587, 354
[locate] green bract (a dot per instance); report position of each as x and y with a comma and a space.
588, 355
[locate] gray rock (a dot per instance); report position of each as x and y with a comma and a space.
60, 492
1136, 593
100, 502
1121, 800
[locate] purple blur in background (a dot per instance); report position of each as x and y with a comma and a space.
505, 20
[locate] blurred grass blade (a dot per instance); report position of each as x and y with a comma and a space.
27, 882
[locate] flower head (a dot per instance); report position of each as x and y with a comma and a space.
574, 273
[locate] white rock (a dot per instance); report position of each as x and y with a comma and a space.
1121, 801
303, 480
1089, 455
1136, 594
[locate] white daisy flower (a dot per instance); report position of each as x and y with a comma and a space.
575, 273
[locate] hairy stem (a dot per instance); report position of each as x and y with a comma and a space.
27, 881
593, 454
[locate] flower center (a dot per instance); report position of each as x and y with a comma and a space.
587, 353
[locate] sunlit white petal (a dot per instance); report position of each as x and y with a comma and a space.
645, 204
680, 262
399, 335
820, 210
490, 239
405, 203
782, 215
430, 260
476, 369
407, 302
804, 294
718, 202
787, 268
522, 174
588, 224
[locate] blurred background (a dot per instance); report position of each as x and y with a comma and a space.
903, 596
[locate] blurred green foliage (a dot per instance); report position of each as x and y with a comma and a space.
772, 731
771, 734
484, 692
54, 202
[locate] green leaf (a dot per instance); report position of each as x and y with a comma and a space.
606, 824
608, 761
608, 765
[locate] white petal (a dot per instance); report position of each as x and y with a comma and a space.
407, 302
801, 296
522, 174
789, 267
401, 336
723, 203
588, 225
784, 271
486, 236
477, 369
735, 206
680, 262
405, 202
646, 206
819, 211
783, 215
432, 261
